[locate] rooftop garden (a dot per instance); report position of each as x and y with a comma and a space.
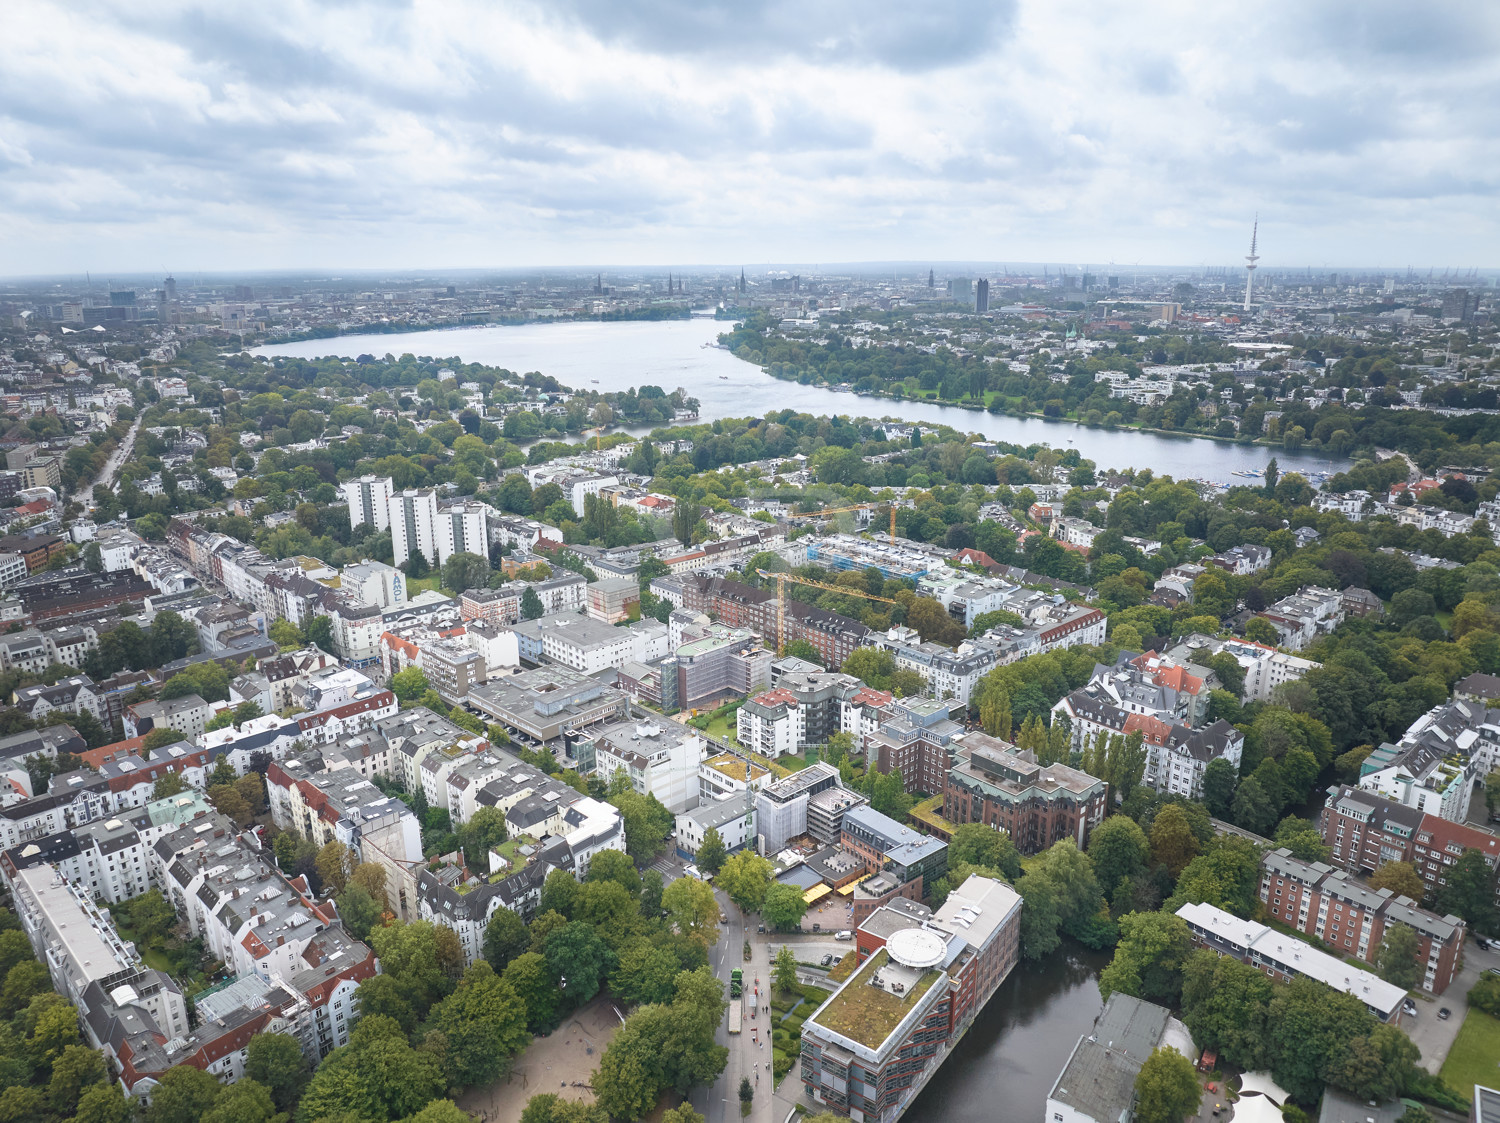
870, 1014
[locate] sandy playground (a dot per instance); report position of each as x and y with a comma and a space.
561, 1063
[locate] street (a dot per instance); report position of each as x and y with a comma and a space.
1435, 1036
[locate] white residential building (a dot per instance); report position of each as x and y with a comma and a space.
462, 529
369, 499
414, 525
659, 758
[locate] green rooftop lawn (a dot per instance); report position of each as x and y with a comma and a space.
1475, 1056
507, 850
867, 1014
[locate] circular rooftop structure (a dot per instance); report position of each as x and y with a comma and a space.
917, 947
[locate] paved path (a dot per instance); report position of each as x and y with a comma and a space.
1434, 1035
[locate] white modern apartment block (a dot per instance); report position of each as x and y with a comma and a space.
462, 529
414, 525
369, 499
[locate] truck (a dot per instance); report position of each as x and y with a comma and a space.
736, 982
735, 1015
753, 999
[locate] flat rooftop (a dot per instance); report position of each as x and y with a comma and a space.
868, 1014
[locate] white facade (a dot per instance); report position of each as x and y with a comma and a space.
462, 529
659, 759
374, 584
369, 499
413, 522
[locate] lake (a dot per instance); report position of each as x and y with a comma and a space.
618, 355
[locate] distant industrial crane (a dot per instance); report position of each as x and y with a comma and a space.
783, 578
856, 507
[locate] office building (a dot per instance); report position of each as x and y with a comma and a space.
995, 783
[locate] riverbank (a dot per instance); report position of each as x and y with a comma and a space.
983, 408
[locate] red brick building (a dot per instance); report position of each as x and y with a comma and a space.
835, 637
995, 783
1365, 830
1353, 919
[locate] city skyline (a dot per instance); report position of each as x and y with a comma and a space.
415, 138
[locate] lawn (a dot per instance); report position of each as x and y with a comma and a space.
722, 727
868, 1014
792, 763
788, 1012
415, 585
1475, 1056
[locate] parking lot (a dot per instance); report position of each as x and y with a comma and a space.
1434, 1035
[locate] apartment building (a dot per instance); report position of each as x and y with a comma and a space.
1304, 616
1364, 831
917, 740
1285, 958
374, 584
900, 861
781, 808
189, 715
659, 758
414, 525
1315, 898
612, 600
1265, 668
369, 500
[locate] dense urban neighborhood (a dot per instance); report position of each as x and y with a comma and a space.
387, 738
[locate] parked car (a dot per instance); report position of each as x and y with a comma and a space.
1444, 1014
844, 935
760, 927
1486, 945
1409, 1007
827, 959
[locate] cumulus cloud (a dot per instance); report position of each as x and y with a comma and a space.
414, 133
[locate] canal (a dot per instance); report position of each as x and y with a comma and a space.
615, 356
1004, 1067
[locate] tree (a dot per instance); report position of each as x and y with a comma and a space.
784, 906
1148, 959
685, 516
168, 784
531, 605
711, 852
1253, 806
615, 866
579, 960
647, 972
484, 1022
982, 845
409, 684
409, 954
285, 635
1485, 994
74, 1070
505, 938
745, 877
1396, 959
1060, 894
1220, 779
446, 1111
1401, 878
277, 1061
1303, 839
484, 831
549, 1107
1173, 843
1261, 630
1119, 850
183, 1095
692, 909
465, 570
784, 973
228, 801
747, 1091
1469, 892
244, 1101
684, 1113
150, 915
102, 1103
377, 1076
1166, 1088
335, 861
359, 911
160, 738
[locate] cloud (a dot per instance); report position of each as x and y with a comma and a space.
413, 133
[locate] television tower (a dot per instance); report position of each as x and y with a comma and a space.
1250, 259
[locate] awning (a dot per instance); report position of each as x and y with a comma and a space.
848, 890
816, 893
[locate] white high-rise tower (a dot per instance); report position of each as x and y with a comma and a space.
1250, 259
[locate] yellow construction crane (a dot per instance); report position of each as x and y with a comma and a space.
783, 578
856, 507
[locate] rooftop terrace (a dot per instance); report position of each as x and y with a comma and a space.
869, 1014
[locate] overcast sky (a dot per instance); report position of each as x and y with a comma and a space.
389, 134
